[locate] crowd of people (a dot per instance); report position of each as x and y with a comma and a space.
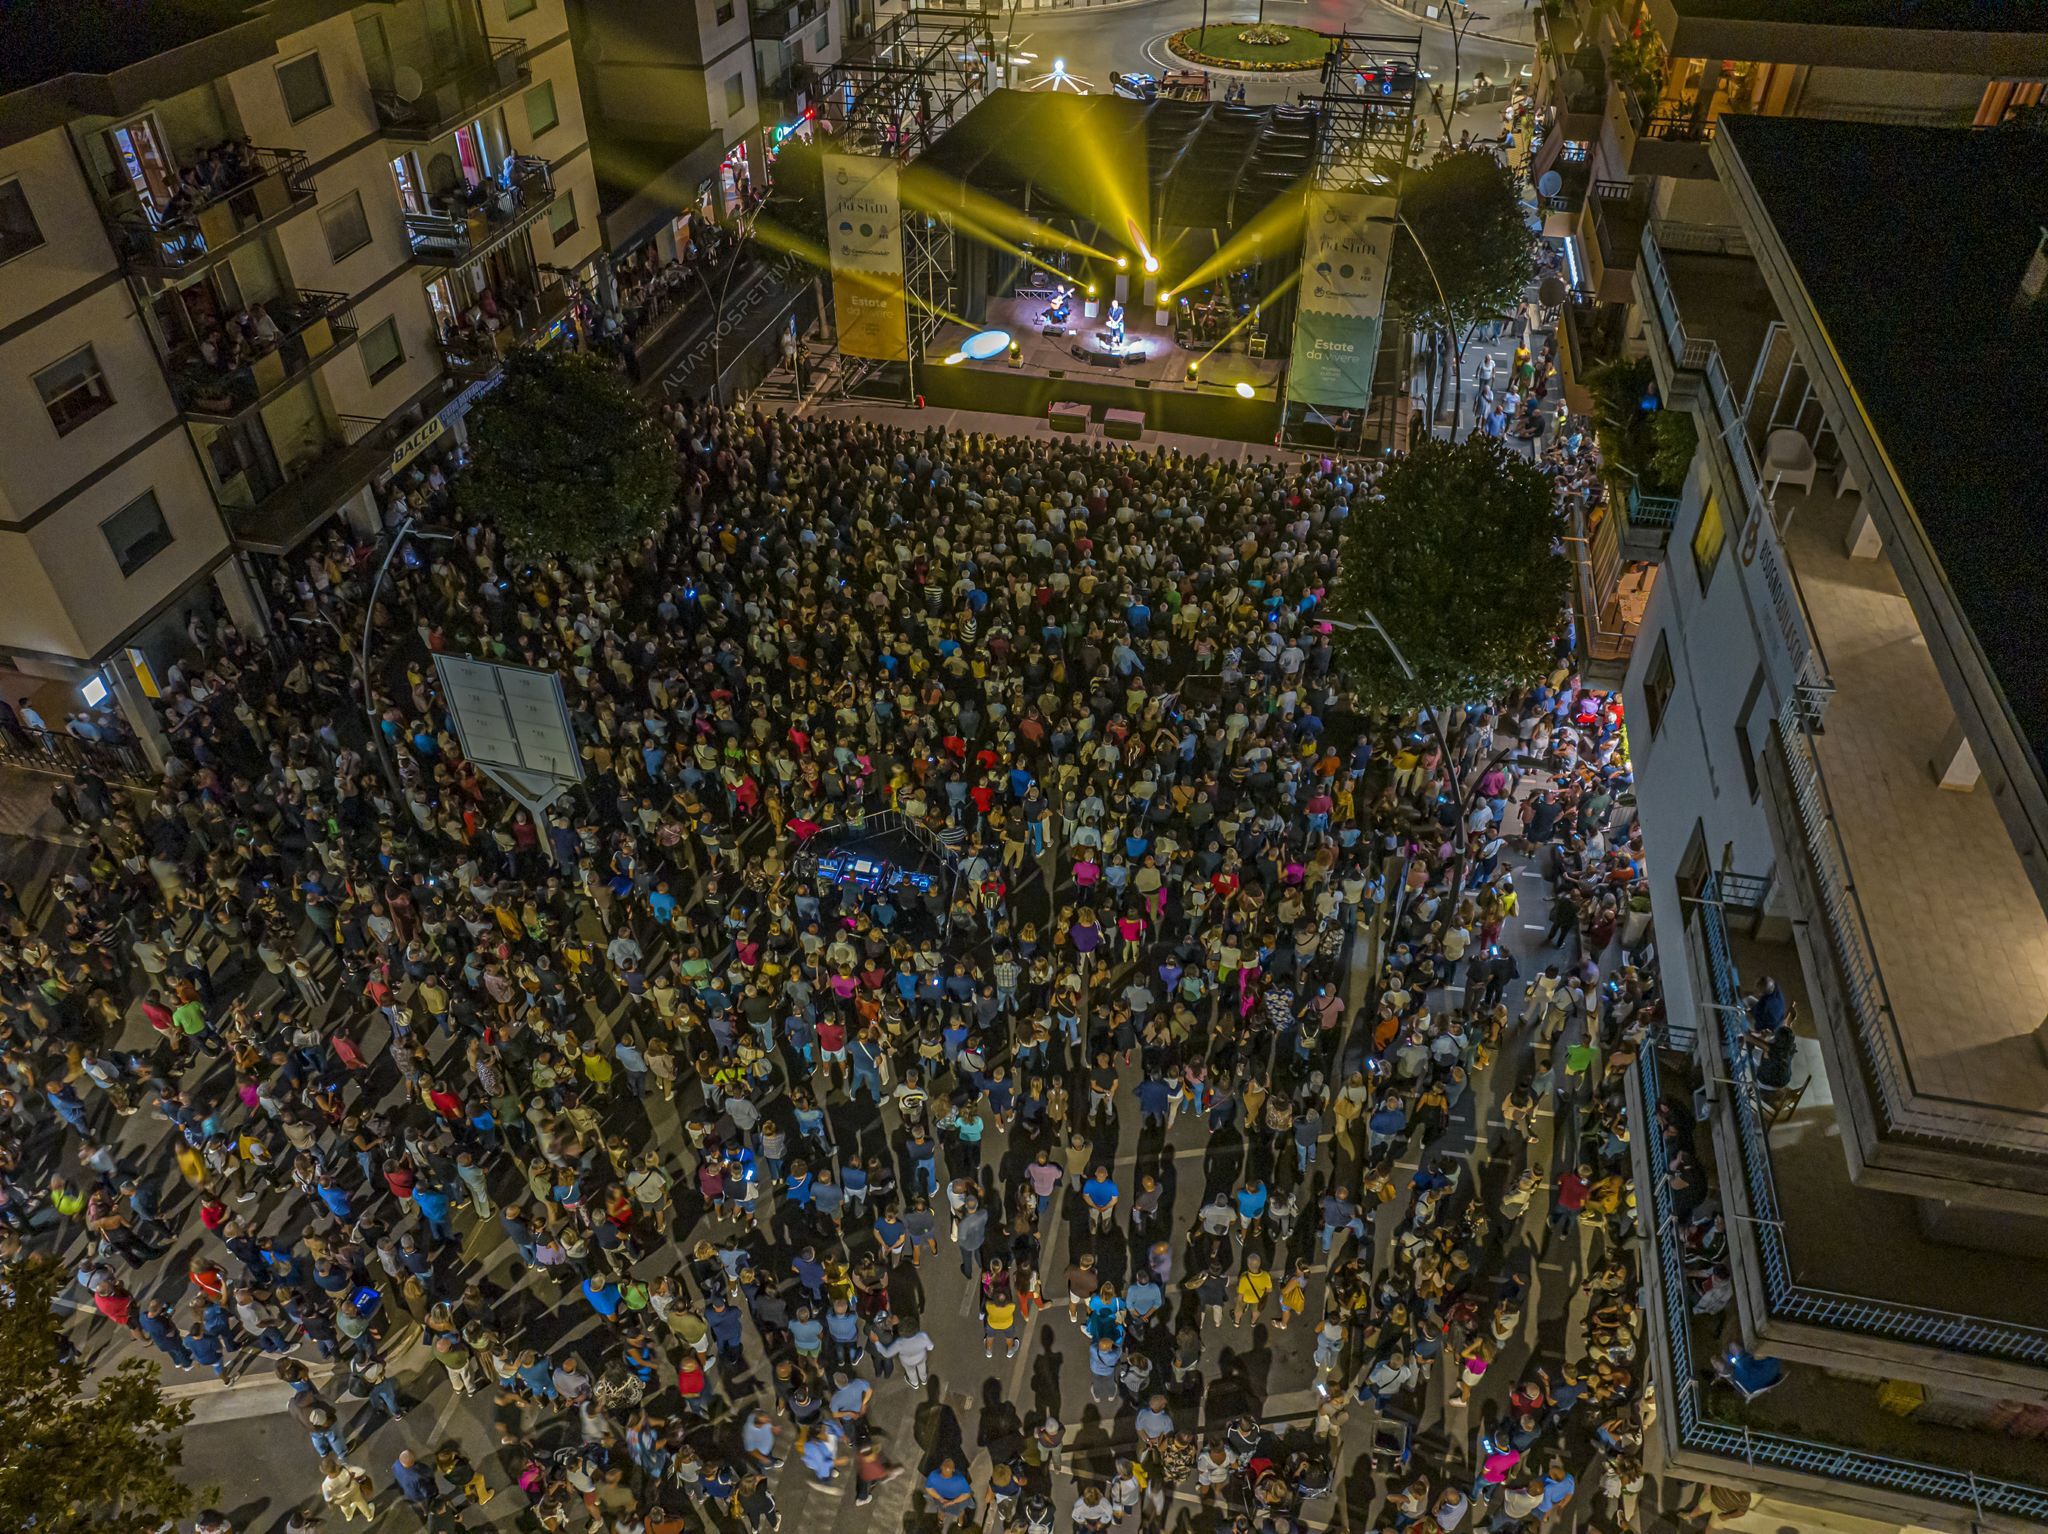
733, 1115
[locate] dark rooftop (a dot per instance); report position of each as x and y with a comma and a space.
1930, 15
1912, 258
41, 40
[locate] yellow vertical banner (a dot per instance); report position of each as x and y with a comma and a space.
864, 235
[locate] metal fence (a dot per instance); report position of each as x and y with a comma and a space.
1763, 1450
1785, 1297
46, 751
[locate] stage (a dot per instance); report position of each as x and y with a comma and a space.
1151, 375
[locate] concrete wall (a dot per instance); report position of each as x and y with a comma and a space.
1690, 771
75, 248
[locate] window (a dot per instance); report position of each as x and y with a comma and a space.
1707, 539
562, 217
137, 533
346, 226
73, 390
381, 350
19, 231
540, 108
1745, 747
735, 95
1658, 684
303, 84
517, 8
821, 44
726, 11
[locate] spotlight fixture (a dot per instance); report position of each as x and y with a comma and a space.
1151, 264
1245, 391
1123, 263
1194, 368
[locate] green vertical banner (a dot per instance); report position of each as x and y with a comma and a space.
1343, 290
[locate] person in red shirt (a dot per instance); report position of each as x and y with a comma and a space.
692, 1386
1570, 1200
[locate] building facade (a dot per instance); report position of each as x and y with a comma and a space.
1840, 783
239, 274
1630, 96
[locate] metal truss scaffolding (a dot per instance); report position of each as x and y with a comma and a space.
898, 93
927, 275
1367, 110
1365, 125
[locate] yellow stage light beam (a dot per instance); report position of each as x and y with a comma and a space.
1275, 227
1285, 283
780, 237
932, 191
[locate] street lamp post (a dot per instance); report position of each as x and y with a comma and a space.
732, 266
399, 534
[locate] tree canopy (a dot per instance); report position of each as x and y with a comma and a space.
1458, 559
1464, 211
567, 458
75, 1457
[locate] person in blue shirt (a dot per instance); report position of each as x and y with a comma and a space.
603, 1295
807, 1334
1104, 1359
810, 1273
853, 1182
1153, 1094
1251, 1206
948, 1493
1099, 1193
843, 1327
1143, 1301
433, 1204
890, 1235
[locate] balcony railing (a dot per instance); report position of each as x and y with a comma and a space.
1785, 1297
498, 210
1654, 513
280, 182
312, 327
1800, 669
1761, 1450
441, 104
62, 755
1677, 125
783, 21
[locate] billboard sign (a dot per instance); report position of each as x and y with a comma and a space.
1343, 293
864, 237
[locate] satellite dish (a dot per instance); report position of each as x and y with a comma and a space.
1550, 183
406, 83
1551, 291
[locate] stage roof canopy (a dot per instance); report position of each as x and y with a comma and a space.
1105, 160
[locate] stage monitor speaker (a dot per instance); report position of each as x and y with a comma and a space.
1055, 372
1143, 383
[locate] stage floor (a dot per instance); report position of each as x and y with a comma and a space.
1152, 354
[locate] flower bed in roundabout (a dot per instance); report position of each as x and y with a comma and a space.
1236, 45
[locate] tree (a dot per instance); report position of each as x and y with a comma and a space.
1464, 255
1458, 561
567, 458
75, 1457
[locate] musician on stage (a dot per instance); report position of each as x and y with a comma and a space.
1116, 324
1060, 308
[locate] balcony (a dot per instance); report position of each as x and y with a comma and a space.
1825, 1437
313, 328
484, 217
780, 23
1921, 933
472, 355
313, 490
1610, 232
1692, 372
418, 108
1561, 208
278, 183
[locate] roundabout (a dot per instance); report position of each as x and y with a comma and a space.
1262, 49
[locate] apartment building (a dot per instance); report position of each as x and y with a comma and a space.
676, 107
250, 257
1631, 94
1838, 711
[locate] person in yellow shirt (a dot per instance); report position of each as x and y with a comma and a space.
999, 1319
1254, 1285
